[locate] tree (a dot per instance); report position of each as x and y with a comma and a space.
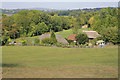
114, 12
82, 38
110, 34
34, 22
32, 29
109, 10
52, 13
76, 28
42, 28
53, 35
37, 41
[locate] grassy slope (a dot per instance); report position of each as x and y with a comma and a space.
64, 33
59, 62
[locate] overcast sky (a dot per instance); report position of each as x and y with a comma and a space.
60, 0
58, 4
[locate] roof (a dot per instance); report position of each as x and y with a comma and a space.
9, 14
59, 38
44, 36
91, 34
100, 41
12, 42
72, 37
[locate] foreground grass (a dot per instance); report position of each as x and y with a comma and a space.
47, 62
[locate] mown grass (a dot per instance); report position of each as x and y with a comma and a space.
47, 62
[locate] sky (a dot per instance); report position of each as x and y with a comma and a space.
58, 4
60, 0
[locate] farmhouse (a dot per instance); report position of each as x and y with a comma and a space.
59, 38
91, 35
72, 37
9, 14
85, 26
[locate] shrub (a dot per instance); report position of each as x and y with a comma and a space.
4, 39
70, 41
37, 41
86, 44
53, 35
49, 41
24, 43
82, 38
110, 34
11, 44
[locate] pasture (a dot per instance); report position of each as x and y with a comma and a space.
53, 62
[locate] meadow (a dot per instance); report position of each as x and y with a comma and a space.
53, 62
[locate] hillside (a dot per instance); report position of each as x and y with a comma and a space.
35, 22
66, 33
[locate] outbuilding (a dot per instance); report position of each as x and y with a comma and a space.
59, 38
91, 35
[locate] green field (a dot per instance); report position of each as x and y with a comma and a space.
47, 62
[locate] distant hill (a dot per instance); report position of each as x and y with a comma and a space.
14, 11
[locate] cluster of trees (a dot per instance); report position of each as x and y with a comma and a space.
31, 23
34, 22
106, 24
13, 11
104, 19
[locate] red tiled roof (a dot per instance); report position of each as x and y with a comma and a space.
72, 37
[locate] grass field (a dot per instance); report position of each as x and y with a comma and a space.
47, 62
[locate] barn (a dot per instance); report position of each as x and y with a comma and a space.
59, 38
72, 37
91, 35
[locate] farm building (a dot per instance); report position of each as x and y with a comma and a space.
59, 38
72, 37
85, 26
9, 14
91, 35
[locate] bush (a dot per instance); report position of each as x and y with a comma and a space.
37, 41
93, 42
110, 34
53, 35
70, 41
4, 40
11, 44
82, 38
73, 43
49, 41
86, 44
24, 43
